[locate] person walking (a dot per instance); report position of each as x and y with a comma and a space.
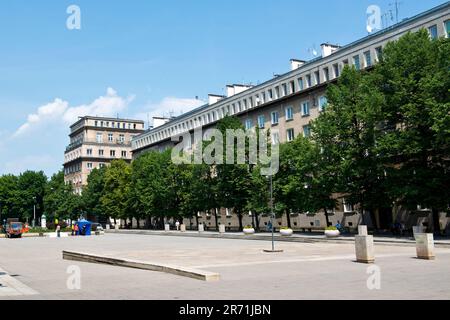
58, 231
73, 229
76, 229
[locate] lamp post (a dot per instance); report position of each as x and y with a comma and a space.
272, 217
34, 212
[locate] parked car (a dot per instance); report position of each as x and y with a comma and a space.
14, 230
96, 227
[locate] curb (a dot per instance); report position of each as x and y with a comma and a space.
267, 238
170, 269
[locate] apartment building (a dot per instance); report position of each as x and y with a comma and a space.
289, 102
95, 142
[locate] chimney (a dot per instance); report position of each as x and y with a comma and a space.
214, 98
328, 49
295, 64
236, 89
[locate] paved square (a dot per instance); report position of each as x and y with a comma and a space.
303, 271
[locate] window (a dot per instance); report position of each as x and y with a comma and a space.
336, 70
112, 153
307, 131
90, 166
308, 80
326, 74
96, 123
263, 96
433, 32
277, 92
345, 62
305, 109
379, 52
121, 138
124, 154
289, 114
101, 165
270, 94
322, 103
368, 58
89, 152
248, 124
292, 84
275, 138
301, 84
357, 62
275, 117
101, 153
99, 138
261, 122
348, 207
284, 89
110, 137
447, 28
290, 135
317, 77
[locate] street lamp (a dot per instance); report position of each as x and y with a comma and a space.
34, 212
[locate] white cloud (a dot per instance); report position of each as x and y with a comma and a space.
59, 111
170, 106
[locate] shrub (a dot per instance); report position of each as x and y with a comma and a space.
331, 229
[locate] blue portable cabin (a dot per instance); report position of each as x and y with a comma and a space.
84, 227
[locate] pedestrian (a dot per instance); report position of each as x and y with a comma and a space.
58, 231
177, 224
73, 229
76, 229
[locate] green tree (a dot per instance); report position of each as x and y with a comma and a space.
232, 180
347, 133
414, 78
116, 190
93, 193
60, 201
30, 191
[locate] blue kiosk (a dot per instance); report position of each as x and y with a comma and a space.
84, 228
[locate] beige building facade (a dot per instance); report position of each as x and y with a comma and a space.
95, 142
287, 104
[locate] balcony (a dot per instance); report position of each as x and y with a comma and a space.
114, 143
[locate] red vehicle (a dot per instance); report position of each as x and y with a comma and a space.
14, 230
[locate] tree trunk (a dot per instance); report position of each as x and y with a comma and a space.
215, 218
138, 223
196, 220
327, 217
257, 221
241, 227
436, 223
288, 217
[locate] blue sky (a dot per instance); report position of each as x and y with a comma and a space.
141, 57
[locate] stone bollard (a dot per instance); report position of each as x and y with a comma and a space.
183, 228
167, 227
425, 246
362, 231
117, 226
364, 249
201, 228
108, 227
418, 230
222, 228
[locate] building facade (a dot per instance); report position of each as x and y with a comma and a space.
288, 103
95, 142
